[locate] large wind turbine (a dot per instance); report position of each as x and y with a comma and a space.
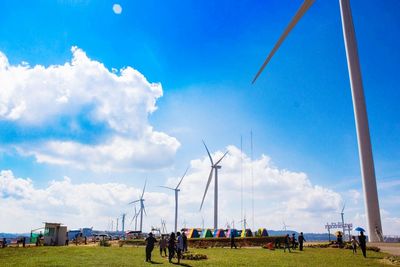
176, 189
142, 209
360, 112
214, 167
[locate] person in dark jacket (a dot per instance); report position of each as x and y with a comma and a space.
363, 244
171, 246
301, 240
233, 240
185, 243
287, 241
150, 241
293, 241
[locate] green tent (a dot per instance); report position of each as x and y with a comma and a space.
206, 233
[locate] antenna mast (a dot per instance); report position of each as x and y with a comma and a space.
241, 179
252, 177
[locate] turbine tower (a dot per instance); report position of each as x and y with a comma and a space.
360, 112
342, 215
176, 190
214, 167
142, 209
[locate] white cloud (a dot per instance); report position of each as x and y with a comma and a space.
117, 9
280, 195
83, 92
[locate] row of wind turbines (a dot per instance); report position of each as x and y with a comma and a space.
214, 172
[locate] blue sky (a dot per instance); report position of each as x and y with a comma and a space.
205, 55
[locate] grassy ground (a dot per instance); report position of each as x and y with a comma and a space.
132, 256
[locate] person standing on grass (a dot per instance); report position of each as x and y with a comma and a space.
163, 246
233, 240
287, 241
185, 243
354, 244
363, 244
293, 241
301, 240
171, 246
150, 241
179, 246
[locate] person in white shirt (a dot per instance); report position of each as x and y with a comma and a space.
179, 246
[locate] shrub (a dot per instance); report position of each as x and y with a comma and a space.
194, 256
104, 243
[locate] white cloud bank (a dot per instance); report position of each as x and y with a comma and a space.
39, 97
279, 195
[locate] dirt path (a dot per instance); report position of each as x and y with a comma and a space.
391, 248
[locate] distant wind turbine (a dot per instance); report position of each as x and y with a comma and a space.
135, 217
176, 190
214, 167
285, 226
360, 112
142, 209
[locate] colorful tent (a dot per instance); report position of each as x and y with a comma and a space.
231, 232
192, 233
246, 233
219, 233
262, 232
206, 233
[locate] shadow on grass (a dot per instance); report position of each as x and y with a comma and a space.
155, 262
182, 264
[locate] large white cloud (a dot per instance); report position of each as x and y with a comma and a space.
83, 92
279, 195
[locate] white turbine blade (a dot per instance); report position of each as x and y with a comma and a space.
182, 178
166, 187
133, 201
221, 158
208, 152
144, 188
208, 184
302, 10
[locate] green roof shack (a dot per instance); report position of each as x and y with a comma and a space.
54, 234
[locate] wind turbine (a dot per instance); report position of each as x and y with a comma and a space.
135, 216
285, 226
142, 209
214, 167
360, 112
176, 190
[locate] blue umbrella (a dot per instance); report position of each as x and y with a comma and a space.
360, 229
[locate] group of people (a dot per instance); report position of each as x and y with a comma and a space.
291, 242
175, 244
362, 243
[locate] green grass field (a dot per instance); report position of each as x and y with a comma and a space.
132, 256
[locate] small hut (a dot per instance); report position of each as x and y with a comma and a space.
55, 234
